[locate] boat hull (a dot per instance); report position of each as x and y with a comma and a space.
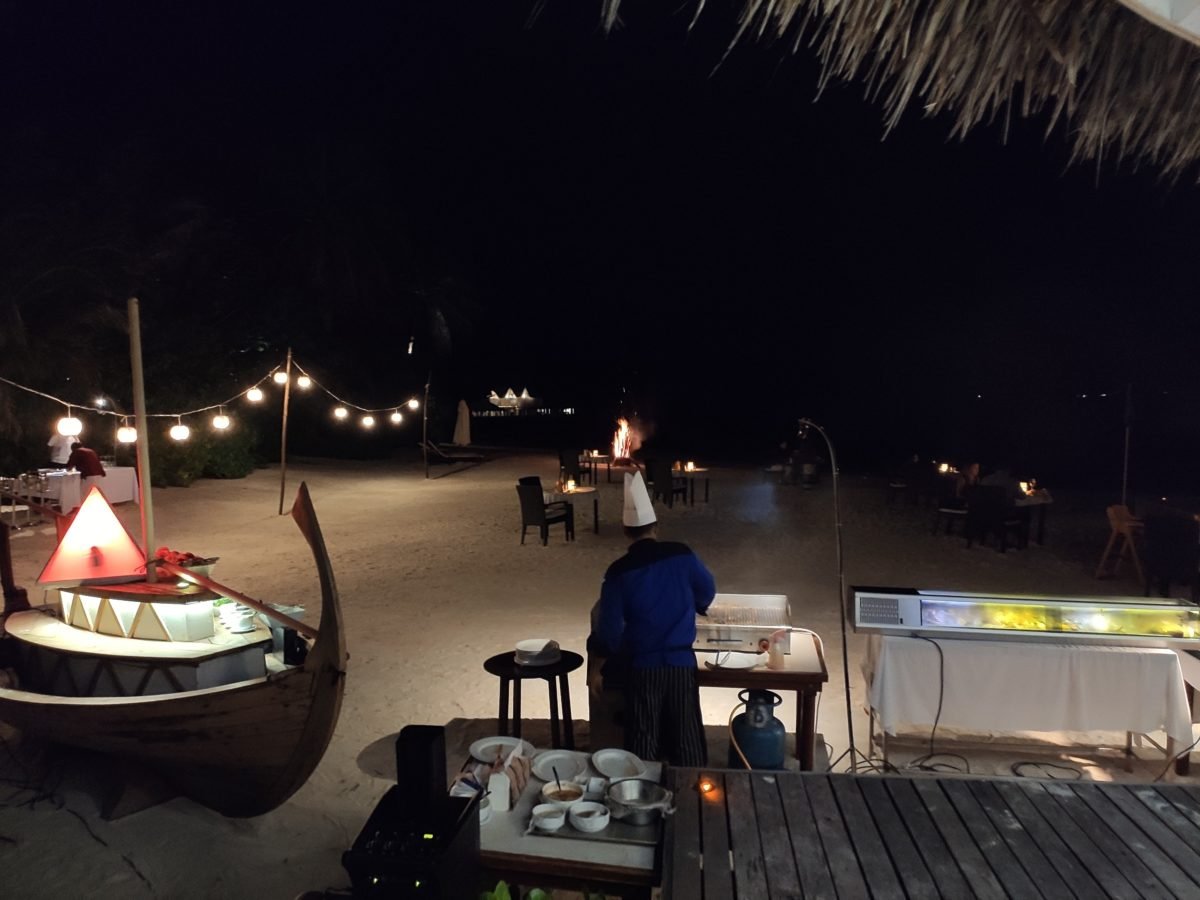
241, 749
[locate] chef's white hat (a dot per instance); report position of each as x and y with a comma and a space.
638, 509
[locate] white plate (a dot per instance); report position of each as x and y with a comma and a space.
570, 765
485, 749
537, 646
538, 660
734, 660
615, 764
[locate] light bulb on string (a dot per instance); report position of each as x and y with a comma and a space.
126, 434
414, 403
368, 421
280, 377
396, 417
254, 395
179, 431
220, 420
304, 382
100, 402
340, 412
69, 426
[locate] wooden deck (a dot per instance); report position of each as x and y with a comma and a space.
777, 835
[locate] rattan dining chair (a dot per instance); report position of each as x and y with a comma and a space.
536, 512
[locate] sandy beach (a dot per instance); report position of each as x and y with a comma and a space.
433, 581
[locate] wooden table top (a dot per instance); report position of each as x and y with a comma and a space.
770, 835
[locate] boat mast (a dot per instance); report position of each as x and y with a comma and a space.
143, 437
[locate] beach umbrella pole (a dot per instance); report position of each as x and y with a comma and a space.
287, 398
143, 436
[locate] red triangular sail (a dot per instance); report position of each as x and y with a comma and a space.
95, 550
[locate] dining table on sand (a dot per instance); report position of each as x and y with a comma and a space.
691, 476
582, 490
1038, 499
591, 461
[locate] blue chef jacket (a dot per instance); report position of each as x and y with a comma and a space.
648, 605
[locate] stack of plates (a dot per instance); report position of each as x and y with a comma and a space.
537, 652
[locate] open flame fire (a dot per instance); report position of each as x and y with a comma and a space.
625, 440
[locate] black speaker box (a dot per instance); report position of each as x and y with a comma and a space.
421, 767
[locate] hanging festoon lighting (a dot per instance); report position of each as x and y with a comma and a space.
220, 420
179, 431
280, 377
340, 412
254, 395
414, 403
304, 382
368, 421
69, 426
126, 434
396, 417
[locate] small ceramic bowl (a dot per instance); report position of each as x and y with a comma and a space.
485, 810
568, 795
588, 816
548, 817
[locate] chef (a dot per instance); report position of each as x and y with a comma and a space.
644, 626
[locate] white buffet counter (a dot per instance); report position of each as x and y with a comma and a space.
1028, 686
67, 490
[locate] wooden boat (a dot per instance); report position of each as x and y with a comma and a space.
241, 749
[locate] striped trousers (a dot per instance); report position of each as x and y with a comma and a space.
662, 720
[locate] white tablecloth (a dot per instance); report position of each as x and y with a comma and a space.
119, 484
1028, 686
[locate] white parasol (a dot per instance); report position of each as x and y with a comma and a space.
462, 426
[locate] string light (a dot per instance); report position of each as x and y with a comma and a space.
101, 402
254, 395
69, 426
396, 417
340, 412
304, 382
414, 403
368, 421
280, 377
220, 420
179, 431
126, 434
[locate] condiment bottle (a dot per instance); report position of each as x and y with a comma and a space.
775, 650
499, 786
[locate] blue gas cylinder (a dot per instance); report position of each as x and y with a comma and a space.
761, 736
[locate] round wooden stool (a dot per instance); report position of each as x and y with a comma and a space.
504, 666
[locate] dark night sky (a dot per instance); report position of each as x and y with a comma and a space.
619, 216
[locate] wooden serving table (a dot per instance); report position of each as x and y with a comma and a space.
804, 672
767, 835
506, 851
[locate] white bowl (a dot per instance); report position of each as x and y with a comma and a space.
571, 794
548, 817
588, 816
537, 647
485, 810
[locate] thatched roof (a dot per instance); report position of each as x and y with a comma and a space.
1119, 85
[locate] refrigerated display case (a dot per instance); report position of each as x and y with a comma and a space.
1130, 621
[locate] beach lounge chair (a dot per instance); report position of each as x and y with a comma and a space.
447, 455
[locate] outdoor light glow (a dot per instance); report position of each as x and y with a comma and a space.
126, 434
944, 468
101, 402
304, 382
340, 412
396, 417
706, 786
220, 421
180, 432
254, 395
280, 377
368, 421
414, 403
69, 426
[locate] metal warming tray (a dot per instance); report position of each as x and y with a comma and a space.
1126, 621
740, 621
